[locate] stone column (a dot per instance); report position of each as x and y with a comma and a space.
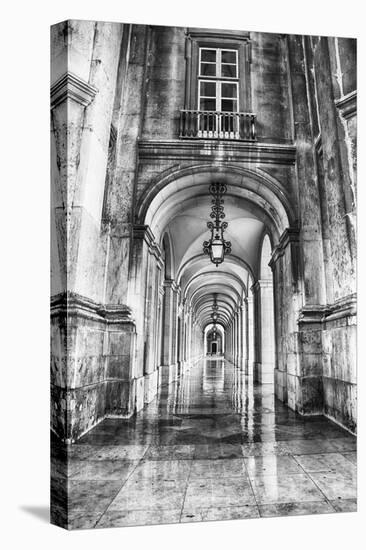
290, 387
235, 338
152, 325
250, 335
176, 294
168, 332
85, 57
242, 353
239, 351
246, 336
264, 369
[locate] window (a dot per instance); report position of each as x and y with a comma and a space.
215, 91
218, 91
218, 98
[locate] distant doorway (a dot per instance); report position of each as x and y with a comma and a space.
214, 348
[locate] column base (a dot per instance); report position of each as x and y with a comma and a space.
167, 374
150, 386
263, 373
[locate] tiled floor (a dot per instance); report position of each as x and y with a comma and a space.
211, 446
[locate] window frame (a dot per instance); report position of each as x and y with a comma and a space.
218, 97
217, 63
223, 40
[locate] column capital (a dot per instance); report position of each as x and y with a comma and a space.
71, 86
262, 283
171, 283
290, 235
144, 232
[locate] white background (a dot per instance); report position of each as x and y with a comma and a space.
24, 355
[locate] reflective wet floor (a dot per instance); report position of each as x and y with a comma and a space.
211, 446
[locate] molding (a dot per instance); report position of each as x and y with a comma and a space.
290, 235
312, 314
219, 34
171, 283
317, 313
70, 304
70, 86
261, 283
347, 105
144, 232
344, 307
224, 150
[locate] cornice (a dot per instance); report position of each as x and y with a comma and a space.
219, 34
345, 307
347, 104
210, 149
71, 86
71, 304
312, 314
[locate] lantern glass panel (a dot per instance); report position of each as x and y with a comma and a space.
217, 249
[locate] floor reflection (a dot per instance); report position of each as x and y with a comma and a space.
213, 445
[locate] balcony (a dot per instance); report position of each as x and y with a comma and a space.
217, 125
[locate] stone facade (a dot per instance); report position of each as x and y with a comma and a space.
127, 316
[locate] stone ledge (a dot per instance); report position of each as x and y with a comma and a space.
347, 104
71, 86
345, 307
205, 149
71, 304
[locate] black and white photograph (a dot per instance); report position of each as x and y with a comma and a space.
182, 275
203, 310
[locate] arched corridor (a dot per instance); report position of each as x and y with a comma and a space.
203, 311
241, 287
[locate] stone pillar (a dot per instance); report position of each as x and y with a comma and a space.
242, 344
237, 338
257, 331
85, 57
176, 295
246, 335
169, 324
265, 363
250, 335
151, 373
142, 295
290, 386
230, 341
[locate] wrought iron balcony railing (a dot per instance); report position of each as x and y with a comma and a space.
217, 125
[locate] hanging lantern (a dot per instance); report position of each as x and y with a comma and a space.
217, 246
214, 315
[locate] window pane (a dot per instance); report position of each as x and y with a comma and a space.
207, 104
229, 105
228, 57
228, 90
209, 55
208, 69
208, 89
228, 71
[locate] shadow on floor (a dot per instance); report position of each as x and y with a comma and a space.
40, 512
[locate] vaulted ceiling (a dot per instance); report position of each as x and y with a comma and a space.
180, 214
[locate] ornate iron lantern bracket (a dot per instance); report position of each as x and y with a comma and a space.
217, 247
